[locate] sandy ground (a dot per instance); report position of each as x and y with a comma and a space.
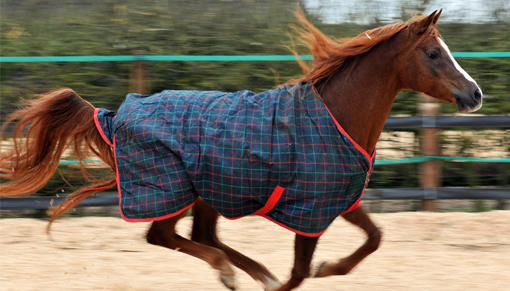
420, 251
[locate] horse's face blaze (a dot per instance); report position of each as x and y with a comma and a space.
430, 68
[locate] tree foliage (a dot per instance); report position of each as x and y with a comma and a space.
205, 27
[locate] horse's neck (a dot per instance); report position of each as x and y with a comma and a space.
361, 95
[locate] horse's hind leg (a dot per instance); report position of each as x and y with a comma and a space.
162, 233
360, 218
204, 231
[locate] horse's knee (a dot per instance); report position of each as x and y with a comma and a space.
374, 239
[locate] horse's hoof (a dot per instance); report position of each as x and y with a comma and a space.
317, 271
228, 281
273, 288
271, 284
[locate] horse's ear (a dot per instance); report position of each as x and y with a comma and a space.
426, 22
436, 18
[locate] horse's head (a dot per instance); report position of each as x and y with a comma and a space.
428, 66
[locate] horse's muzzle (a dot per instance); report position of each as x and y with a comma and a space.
469, 102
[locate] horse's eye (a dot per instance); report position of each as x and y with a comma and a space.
433, 55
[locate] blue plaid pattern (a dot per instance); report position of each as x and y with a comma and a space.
233, 150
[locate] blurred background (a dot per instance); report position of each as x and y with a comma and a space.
262, 27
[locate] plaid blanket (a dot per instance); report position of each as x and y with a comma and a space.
278, 154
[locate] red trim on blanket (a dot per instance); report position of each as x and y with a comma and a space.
342, 130
361, 149
271, 202
156, 218
233, 218
100, 129
295, 231
282, 225
358, 202
141, 219
354, 206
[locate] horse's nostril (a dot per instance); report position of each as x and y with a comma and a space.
478, 95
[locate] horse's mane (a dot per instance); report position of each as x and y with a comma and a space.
330, 54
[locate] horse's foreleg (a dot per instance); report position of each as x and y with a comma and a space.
304, 247
162, 233
361, 219
204, 231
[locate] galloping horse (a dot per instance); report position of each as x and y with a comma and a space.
299, 155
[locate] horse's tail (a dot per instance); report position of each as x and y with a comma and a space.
46, 127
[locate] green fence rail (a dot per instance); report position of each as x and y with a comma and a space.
234, 58
218, 58
152, 58
446, 158
411, 160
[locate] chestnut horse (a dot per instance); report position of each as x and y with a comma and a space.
358, 81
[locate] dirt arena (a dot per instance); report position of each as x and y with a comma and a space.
420, 251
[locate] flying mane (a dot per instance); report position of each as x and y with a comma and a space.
330, 54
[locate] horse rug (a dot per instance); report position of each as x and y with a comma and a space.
279, 154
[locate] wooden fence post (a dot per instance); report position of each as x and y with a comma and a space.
430, 172
138, 82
